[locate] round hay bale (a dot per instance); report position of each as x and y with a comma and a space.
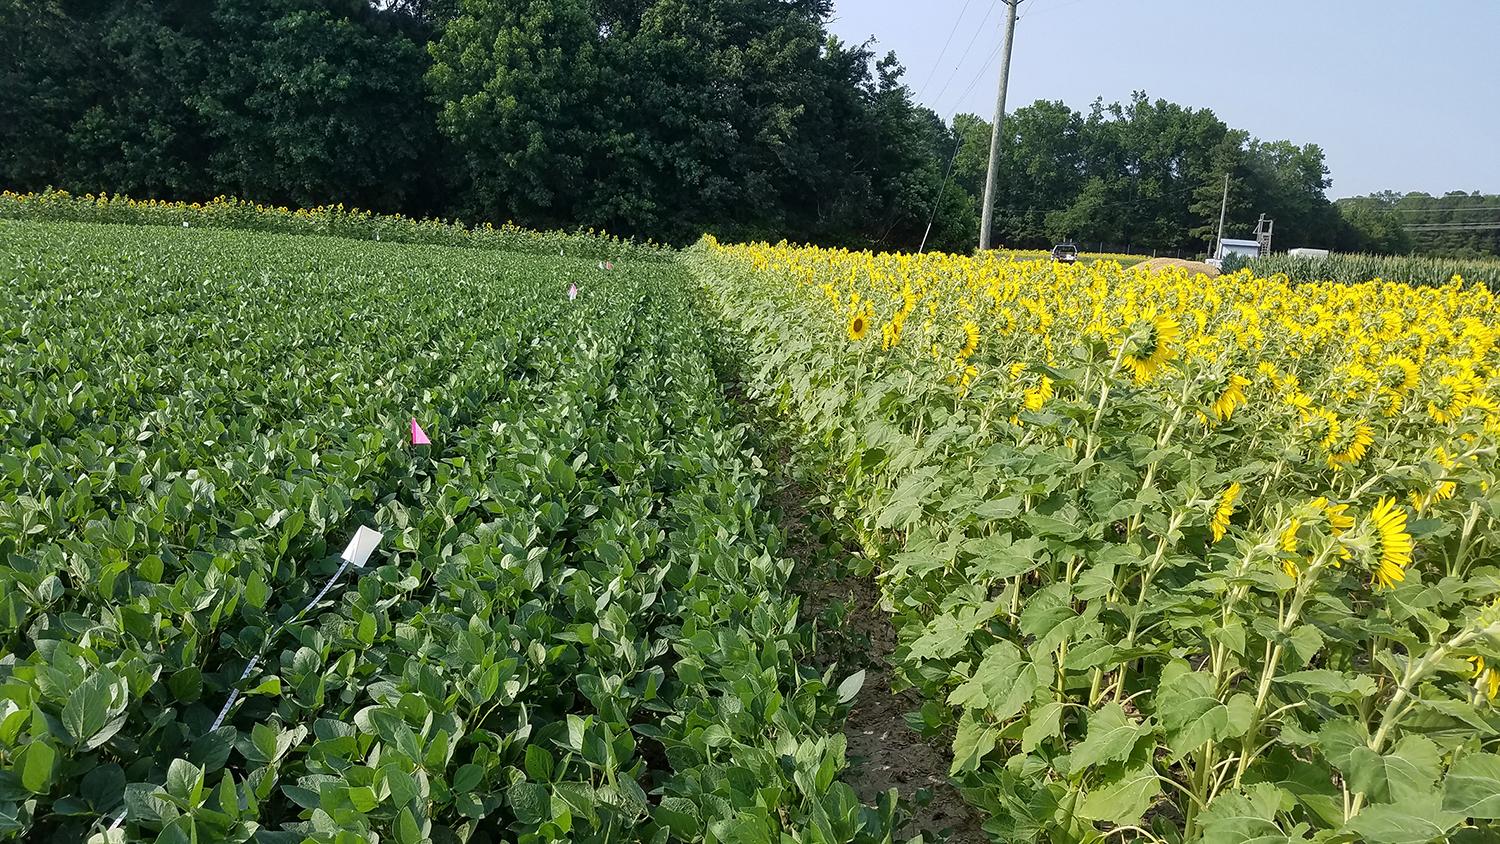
1155, 265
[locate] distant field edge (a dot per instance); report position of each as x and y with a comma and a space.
223, 212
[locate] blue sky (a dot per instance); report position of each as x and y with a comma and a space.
1401, 95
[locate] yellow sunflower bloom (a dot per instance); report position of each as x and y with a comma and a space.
970, 373
1224, 511
1232, 397
1288, 540
1152, 348
1400, 373
1035, 397
1325, 426
1352, 449
1453, 396
1486, 679
1395, 544
859, 326
971, 341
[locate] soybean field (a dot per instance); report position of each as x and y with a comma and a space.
575, 628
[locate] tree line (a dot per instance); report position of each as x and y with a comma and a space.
1456, 224
657, 119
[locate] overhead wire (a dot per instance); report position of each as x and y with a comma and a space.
993, 55
1459, 210
944, 51
983, 71
967, 49
958, 142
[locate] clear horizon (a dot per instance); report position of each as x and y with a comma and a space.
1392, 92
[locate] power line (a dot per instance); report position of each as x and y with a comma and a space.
939, 201
1451, 227
975, 37
983, 71
1462, 210
943, 52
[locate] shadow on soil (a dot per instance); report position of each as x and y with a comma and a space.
853, 631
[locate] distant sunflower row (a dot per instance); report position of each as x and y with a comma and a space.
1313, 378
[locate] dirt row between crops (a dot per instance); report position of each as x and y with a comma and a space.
884, 752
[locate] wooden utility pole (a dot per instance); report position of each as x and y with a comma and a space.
1213, 248
987, 215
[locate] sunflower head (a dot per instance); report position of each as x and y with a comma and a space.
859, 326
1323, 426
1393, 543
1399, 373
971, 341
1224, 511
1486, 679
1337, 515
970, 373
1232, 397
1353, 441
1452, 396
1287, 541
1151, 344
1035, 397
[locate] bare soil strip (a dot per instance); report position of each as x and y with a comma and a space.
852, 630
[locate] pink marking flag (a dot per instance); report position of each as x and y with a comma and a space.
572, 292
418, 436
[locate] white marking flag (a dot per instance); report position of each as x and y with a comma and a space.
362, 546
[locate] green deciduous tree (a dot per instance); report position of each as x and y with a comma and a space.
1145, 175
1456, 224
649, 118
313, 103
521, 87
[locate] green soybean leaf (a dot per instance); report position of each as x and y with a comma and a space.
364, 631
407, 831
187, 684
849, 688
538, 763
87, 709
467, 778
36, 763
530, 802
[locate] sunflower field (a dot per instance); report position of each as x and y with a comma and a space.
1171, 559
576, 627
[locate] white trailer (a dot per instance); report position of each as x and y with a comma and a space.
1230, 246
